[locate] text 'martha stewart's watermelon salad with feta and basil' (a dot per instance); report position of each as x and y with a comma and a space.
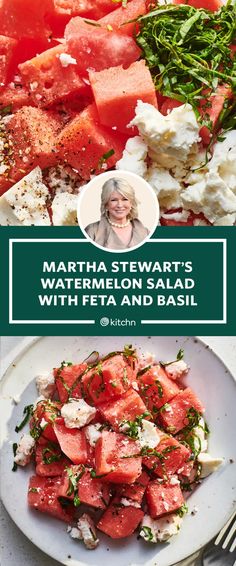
118, 443
92, 85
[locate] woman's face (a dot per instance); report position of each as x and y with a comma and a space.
118, 207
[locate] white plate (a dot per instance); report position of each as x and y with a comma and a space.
215, 386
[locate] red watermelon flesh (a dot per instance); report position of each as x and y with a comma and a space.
127, 407
119, 521
43, 496
72, 442
175, 416
113, 457
175, 455
163, 498
156, 388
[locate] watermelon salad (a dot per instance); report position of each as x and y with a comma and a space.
117, 443
92, 85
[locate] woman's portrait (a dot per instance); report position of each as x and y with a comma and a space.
117, 225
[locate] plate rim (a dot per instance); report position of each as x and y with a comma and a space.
15, 355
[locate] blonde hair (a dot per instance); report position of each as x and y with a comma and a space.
121, 186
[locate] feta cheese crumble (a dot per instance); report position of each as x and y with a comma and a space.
148, 434
154, 530
176, 369
25, 204
24, 450
93, 433
85, 531
45, 384
209, 464
66, 60
77, 413
64, 209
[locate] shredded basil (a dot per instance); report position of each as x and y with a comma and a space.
28, 411
179, 357
14, 448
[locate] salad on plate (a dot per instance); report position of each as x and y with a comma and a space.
116, 444
142, 86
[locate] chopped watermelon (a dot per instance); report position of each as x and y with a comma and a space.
156, 388
93, 491
117, 88
212, 5
210, 109
64, 10
136, 491
123, 14
68, 381
110, 379
17, 95
163, 498
117, 458
127, 407
31, 136
173, 455
169, 104
89, 147
48, 80
7, 51
43, 496
72, 442
49, 460
192, 218
46, 412
24, 18
119, 521
180, 411
96, 48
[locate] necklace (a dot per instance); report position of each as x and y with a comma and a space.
116, 225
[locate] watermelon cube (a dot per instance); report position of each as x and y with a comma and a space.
124, 14
173, 455
119, 521
64, 10
163, 498
31, 136
7, 48
127, 407
68, 381
97, 48
17, 94
49, 460
50, 78
43, 496
117, 458
107, 381
156, 388
24, 18
84, 144
72, 442
135, 491
180, 411
212, 112
117, 90
212, 5
91, 491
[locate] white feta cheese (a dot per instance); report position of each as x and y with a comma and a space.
45, 384
64, 209
129, 502
146, 359
66, 60
24, 450
171, 137
176, 369
174, 480
148, 434
211, 196
209, 464
134, 156
25, 204
77, 413
43, 423
61, 179
223, 161
88, 532
166, 187
155, 530
177, 216
199, 436
227, 220
93, 433
74, 532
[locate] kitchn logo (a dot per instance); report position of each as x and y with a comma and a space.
104, 321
